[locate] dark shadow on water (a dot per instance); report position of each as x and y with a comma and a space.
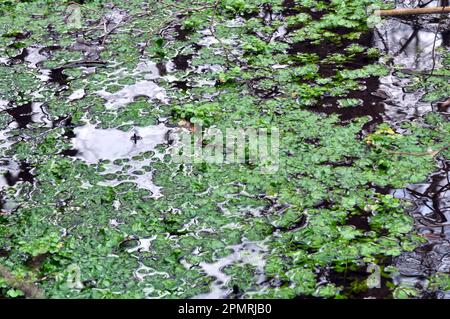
22, 114
23, 175
57, 76
181, 61
354, 282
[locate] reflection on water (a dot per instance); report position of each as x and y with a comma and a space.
431, 203
127, 94
251, 253
94, 144
76, 95
35, 56
127, 156
25, 114
431, 212
412, 50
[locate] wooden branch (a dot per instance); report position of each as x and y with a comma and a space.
30, 290
412, 11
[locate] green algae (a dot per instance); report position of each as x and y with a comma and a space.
301, 212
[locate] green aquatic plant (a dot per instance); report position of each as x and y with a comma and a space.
82, 236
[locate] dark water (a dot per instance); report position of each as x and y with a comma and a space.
16, 173
411, 44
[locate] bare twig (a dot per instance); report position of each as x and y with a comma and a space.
107, 33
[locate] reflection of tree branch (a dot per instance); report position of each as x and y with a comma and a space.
435, 192
180, 10
406, 44
420, 73
434, 43
108, 32
227, 52
422, 5
386, 46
